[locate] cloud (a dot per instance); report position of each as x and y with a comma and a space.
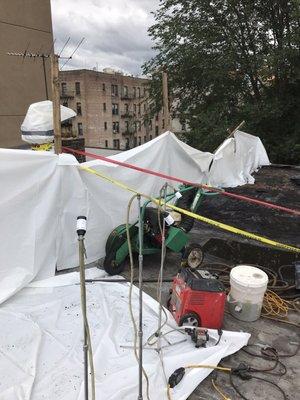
115, 32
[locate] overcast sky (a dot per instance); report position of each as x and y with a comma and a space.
115, 32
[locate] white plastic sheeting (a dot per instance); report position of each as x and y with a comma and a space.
37, 126
236, 159
42, 194
108, 203
41, 344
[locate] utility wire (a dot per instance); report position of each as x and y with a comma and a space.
76, 48
24, 26
64, 46
51, 50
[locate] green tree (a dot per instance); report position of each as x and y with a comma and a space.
230, 60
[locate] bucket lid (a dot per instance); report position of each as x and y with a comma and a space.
249, 276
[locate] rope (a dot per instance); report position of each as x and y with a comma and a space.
201, 218
217, 389
180, 180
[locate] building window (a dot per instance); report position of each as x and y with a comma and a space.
163, 124
139, 126
127, 144
104, 107
156, 117
78, 108
80, 129
105, 126
156, 131
139, 109
145, 139
135, 126
134, 92
115, 109
116, 143
135, 141
140, 140
150, 125
106, 143
127, 126
150, 137
65, 103
77, 87
116, 127
126, 106
125, 91
114, 90
103, 87
139, 91
134, 108
63, 88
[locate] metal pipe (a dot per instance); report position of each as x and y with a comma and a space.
162, 261
83, 305
45, 77
140, 331
126, 280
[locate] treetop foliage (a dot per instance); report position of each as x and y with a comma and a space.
228, 61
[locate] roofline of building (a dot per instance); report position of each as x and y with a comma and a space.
85, 70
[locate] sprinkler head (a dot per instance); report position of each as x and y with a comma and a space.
81, 225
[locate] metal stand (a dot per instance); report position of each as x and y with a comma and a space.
83, 305
140, 330
142, 346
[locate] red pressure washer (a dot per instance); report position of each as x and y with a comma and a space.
197, 299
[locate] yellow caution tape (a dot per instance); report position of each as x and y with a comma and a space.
42, 147
209, 221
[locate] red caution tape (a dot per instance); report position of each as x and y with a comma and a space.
173, 178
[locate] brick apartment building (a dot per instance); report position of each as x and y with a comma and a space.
111, 108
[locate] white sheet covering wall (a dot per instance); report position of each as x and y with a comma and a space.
42, 194
41, 344
38, 202
236, 159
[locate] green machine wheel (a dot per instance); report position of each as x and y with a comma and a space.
110, 265
116, 249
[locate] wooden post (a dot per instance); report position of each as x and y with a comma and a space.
236, 129
166, 100
56, 103
231, 134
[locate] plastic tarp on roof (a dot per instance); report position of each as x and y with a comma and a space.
41, 344
42, 194
108, 203
236, 159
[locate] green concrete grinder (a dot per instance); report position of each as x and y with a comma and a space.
176, 232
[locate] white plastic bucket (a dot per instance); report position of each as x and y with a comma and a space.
247, 288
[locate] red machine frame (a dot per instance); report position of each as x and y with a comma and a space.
197, 298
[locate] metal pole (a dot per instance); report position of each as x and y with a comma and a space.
45, 77
83, 305
140, 331
163, 254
